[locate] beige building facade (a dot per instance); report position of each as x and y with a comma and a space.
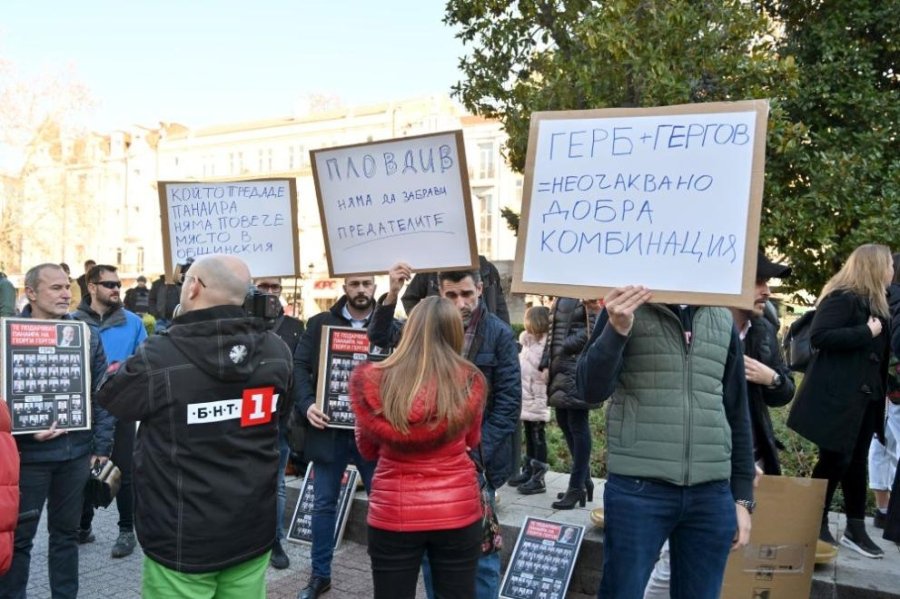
109, 210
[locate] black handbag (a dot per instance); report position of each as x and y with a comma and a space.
798, 350
103, 484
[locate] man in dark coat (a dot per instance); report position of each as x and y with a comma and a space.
769, 380
55, 463
208, 394
329, 449
289, 329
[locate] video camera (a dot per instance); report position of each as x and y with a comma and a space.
261, 305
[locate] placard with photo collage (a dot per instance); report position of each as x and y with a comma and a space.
44, 377
542, 560
301, 522
343, 349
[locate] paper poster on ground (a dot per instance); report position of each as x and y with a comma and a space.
669, 198
405, 199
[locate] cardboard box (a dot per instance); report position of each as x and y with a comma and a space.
779, 560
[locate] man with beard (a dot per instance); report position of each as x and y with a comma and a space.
490, 345
329, 449
121, 332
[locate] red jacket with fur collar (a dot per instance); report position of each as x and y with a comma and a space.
425, 480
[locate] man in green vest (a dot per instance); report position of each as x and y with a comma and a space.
679, 442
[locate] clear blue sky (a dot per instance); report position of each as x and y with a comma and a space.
203, 61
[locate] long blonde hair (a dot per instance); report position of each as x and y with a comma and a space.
863, 274
428, 359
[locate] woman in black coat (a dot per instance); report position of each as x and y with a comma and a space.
570, 327
841, 400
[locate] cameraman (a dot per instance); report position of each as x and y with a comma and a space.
209, 395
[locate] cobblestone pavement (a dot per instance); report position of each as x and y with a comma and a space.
101, 576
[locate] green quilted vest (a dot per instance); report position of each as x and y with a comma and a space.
666, 419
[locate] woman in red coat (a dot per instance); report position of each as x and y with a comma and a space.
419, 412
9, 489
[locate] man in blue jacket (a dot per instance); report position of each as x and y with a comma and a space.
490, 345
55, 463
121, 332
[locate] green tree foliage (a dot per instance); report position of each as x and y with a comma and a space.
535, 55
830, 68
833, 172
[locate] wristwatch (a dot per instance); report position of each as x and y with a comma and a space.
776, 381
747, 503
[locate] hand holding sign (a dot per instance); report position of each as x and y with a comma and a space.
621, 304
50, 433
399, 274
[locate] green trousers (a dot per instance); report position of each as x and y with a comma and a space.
246, 580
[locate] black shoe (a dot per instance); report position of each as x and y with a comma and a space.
535, 484
85, 536
315, 587
124, 545
523, 477
825, 535
856, 538
588, 488
568, 501
880, 519
279, 559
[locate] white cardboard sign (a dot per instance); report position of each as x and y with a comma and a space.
404, 199
663, 197
255, 220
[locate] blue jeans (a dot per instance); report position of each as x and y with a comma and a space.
327, 489
699, 521
61, 485
487, 574
284, 452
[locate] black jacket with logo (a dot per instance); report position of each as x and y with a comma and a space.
206, 455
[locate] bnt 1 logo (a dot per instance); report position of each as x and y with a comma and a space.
257, 406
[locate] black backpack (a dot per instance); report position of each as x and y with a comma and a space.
798, 351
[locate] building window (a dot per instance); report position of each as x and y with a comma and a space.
484, 210
269, 160
291, 157
486, 160
261, 166
231, 163
119, 257
140, 260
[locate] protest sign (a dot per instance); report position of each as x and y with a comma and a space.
779, 560
255, 220
300, 530
669, 198
342, 350
44, 378
403, 199
542, 562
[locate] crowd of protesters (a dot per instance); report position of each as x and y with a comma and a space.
437, 425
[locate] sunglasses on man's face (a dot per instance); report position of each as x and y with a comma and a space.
110, 284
